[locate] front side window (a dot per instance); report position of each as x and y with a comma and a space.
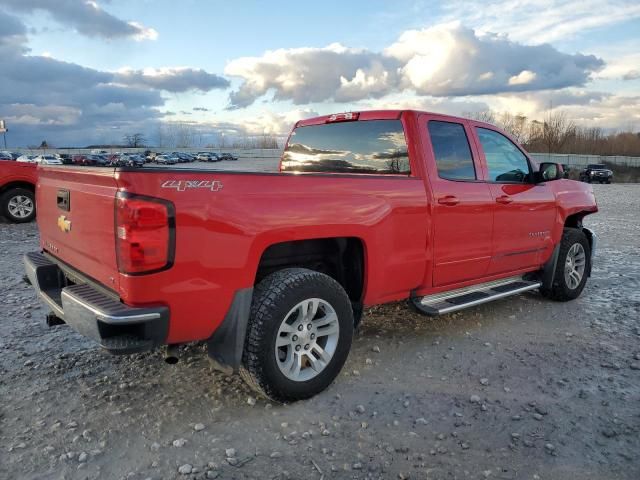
367, 146
505, 161
451, 150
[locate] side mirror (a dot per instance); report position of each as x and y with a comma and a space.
550, 171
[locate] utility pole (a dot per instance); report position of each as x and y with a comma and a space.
549, 130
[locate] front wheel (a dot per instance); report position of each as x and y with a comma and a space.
573, 267
18, 205
299, 334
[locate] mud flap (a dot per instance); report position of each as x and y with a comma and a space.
226, 344
549, 269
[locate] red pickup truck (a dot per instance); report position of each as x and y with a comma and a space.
17, 190
273, 269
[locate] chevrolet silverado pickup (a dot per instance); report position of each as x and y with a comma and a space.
273, 270
17, 191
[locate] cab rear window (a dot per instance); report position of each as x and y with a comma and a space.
361, 147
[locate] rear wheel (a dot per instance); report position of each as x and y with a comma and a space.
573, 267
299, 334
18, 205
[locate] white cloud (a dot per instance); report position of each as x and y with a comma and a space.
87, 17
621, 67
524, 77
143, 33
450, 59
174, 79
541, 21
443, 60
306, 75
274, 123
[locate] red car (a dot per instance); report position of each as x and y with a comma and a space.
273, 269
17, 190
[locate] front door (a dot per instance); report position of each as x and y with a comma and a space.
524, 211
462, 203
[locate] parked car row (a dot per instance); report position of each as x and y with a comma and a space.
5, 155
102, 158
170, 158
107, 160
44, 159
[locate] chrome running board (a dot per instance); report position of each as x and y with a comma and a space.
466, 297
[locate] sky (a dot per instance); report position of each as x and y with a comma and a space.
79, 72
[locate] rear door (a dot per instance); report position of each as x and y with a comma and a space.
524, 211
462, 203
76, 219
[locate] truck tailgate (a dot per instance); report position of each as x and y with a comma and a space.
76, 220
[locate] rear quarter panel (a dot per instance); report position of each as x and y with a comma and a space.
221, 235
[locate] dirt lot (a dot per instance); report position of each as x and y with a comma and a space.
521, 388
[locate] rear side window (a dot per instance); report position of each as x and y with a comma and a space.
505, 161
451, 150
368, 146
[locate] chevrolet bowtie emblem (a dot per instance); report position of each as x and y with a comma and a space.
64, 224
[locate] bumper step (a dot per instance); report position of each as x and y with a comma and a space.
125, 344
462, 298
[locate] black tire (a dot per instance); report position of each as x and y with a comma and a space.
273, 299
560, 290
11, 194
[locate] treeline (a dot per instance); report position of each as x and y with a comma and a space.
558, 134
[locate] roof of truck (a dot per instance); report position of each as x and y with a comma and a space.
377, 115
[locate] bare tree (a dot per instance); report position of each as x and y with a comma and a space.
515, 125
487, 116
135, 140
559, 134
553, 134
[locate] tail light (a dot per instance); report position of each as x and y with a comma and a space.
145, 233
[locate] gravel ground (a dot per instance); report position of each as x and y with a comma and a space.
521, 388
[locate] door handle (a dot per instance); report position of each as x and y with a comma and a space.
449, 200
504, 199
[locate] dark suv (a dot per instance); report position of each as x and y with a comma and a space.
596, 172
